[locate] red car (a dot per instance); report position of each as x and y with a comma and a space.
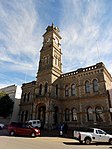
22, 129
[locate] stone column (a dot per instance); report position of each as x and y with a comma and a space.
49, 115
34, 111
94, 117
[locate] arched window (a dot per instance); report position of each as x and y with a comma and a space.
56, 60
87, 87
74, 114
24, 98
40, 89
46, 87
56, 89
67, 114
99, 113
56, 114
45, 60
73, 89
31, 96
66, 90
41, 113
26, 115
90, 114
28, 96
58, 63
22, 116
95, 85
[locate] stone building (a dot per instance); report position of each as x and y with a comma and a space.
79, 98
11, 91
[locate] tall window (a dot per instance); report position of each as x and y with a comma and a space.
74, 114
26, 116
46, 88
40, 89
66, 90
73, 89
28, 96
56, 89
56, 60
95, 85
58, 63
87, 87
99, 113
67, 114
24, 98
45, 60
90, 114
22, 116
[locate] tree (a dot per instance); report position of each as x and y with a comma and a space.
6, 105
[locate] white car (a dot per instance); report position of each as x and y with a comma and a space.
35, 123
92, 135
2, 126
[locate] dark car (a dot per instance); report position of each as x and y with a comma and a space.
22, 129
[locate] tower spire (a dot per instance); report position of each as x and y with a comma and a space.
52, 24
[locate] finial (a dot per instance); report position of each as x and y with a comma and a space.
52, 24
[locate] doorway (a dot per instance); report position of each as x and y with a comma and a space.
41, 114
56, 111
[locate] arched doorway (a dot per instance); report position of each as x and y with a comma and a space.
56, 111
26, 115
22, 116
41, 114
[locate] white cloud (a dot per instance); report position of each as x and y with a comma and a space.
19, 41
4, 85
86, 36
85, 27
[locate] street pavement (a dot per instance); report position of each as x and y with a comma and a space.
45, 142
7, 142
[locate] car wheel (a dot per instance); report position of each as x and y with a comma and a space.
110, 141
32, 134
87, 141
12, 133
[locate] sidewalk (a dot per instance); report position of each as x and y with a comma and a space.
3, 132
55, 133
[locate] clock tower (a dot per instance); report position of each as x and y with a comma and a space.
50, 64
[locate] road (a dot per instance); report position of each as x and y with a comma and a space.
7, 142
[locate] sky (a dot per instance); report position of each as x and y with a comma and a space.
85, 27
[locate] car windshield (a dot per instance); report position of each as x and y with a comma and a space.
100, 132
26, 126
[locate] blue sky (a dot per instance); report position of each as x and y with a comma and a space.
85, 27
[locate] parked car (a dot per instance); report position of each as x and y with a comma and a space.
34, 123
92, 135
2, 126
22, 129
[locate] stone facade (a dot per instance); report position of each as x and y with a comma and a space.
79, 98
